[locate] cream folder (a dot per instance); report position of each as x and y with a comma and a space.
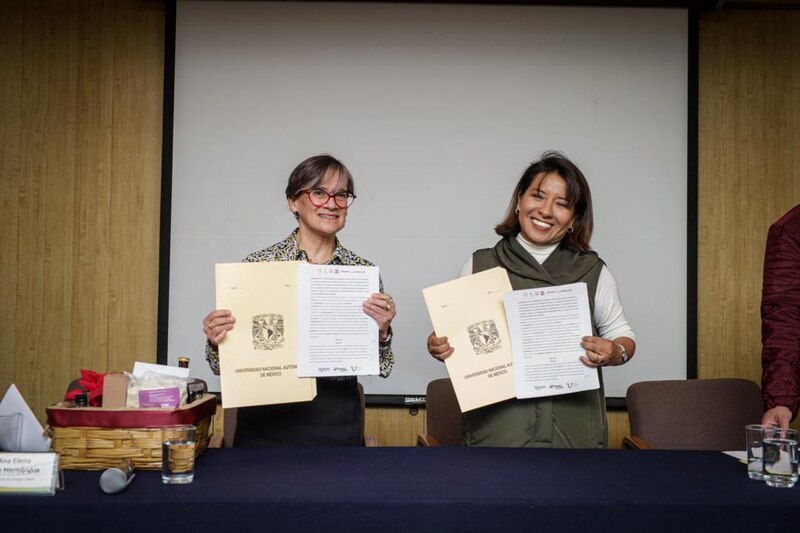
469, 312
258, 358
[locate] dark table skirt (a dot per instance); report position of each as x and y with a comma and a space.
424, 489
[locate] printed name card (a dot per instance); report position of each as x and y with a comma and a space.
28, 473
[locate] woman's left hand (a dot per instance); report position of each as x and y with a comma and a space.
380, 306
600, 352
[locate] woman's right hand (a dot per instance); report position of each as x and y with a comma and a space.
438, 347
217, 324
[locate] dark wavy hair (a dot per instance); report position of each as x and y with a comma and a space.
579, 198
312, 172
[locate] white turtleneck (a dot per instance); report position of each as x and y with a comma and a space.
609, 316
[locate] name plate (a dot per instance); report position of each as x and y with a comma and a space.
28, 473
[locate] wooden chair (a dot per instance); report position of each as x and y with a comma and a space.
229, 424
442, 416
694, 414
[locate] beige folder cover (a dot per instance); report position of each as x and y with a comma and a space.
469, 311
258, 358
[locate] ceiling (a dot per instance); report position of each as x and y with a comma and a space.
700, 4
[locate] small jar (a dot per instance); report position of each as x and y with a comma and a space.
82, 399
183, 362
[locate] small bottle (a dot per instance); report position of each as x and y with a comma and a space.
82, 399
193, 392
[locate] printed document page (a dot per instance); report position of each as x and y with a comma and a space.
469, 312
258, 358
336, 336
546, 326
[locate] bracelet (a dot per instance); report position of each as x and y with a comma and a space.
624, 354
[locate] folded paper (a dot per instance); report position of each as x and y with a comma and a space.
469, 312
31, 433
258, 357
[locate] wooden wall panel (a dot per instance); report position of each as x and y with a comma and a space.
749, 175
618, 427
81, 171
89, 339
136, 183
56, 107
11, 61
394, 426
28, 320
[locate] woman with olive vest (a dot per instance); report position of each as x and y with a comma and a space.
545, 242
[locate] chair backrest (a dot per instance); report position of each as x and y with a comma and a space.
365, 439
442, 413
695, 414
228, 426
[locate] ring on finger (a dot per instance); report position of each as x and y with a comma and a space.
600, 360
210, 325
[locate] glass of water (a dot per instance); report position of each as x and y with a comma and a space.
780, 458
756, 433
177, 454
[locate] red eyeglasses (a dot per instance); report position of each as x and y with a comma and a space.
320, 197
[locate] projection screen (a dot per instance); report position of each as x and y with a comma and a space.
436, 109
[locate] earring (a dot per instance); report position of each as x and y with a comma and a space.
571, 229
516, 211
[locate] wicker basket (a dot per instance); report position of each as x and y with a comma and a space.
96, 438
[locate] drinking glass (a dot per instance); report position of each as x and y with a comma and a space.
755, 435
780, 458
177, 454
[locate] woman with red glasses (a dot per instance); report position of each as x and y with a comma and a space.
319, 193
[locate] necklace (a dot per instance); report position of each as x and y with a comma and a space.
320, 263
329, 255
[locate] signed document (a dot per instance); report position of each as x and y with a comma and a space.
546, 326
336, 337
469, 312
258, 358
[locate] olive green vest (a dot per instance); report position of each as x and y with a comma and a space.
576, 420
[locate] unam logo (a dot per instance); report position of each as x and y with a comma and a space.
268, 332
484, 337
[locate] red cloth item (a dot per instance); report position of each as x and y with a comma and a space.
90, 382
